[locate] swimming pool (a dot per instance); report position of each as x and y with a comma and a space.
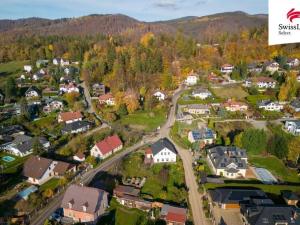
8, 158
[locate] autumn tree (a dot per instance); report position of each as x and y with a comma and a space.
294, 149
48, 193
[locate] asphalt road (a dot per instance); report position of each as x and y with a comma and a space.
194, 196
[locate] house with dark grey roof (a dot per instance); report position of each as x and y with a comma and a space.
230, 162
261, 213
22, 145
76, 127
162, 151
84, 204
290, 197
205, 135
295, 105
229, 198
32, 92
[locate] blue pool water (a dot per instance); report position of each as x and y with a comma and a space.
26, 192
8, 158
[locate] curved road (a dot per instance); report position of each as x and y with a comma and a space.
194, 196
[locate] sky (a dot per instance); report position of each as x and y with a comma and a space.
144, 10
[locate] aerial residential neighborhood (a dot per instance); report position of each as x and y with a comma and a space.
145, 119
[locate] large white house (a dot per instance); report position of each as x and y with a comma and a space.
227, 68
293, 127
32, 92
160, 95
230, 162
205, 136
28, 68
270, 106
293, 62
272, 67
201, 93
261, 82
162, 151
191, 80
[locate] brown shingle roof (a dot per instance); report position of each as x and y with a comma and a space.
80, 196
36, 166
62, 167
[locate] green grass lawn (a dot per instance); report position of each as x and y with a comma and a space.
276, 166
147, 121
235, 91
164, 181
11, 68
50, 184
254, 99
120, 215
178, 137
11, 167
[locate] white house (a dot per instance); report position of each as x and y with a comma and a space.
191, 80
68, 88
107, 99
79, 157
201, 93
64, 62
270, 106
261, 82
159, 95
197, 109
293, 127
230, 162
227, 68
272, 67
22, 145
235, 106
28, 68
107, 147
38, 170
56, 61
162, 151
206, 136
32, 92
293, 62
53, 106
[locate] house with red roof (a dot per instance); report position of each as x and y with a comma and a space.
69, 117
173, 215
107, 99
107, 147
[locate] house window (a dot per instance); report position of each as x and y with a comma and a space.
162, 160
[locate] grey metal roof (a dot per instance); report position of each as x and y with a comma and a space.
161, 144
221, 157
75, 126
197, 106
228, 195
81, 196
271, 214
295, 104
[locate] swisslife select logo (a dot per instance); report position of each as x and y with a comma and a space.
284, 21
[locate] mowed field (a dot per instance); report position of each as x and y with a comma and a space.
226, 92
11, 68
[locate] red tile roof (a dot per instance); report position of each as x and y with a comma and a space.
66, 116
175, 217
106, 97
109, 144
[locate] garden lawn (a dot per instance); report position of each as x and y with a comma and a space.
178, 137
11, 167
50, 184
11, 68
254, 99
277, 167
147, 121
236, 92
120, 215
47, 123
164, 181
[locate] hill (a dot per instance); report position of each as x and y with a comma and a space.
197, 27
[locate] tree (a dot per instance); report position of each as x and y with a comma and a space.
294, 149
10, 89
48, 193
122, 111
277, 146
24, 108
238, 140
254, 141
37, 146
71, 98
